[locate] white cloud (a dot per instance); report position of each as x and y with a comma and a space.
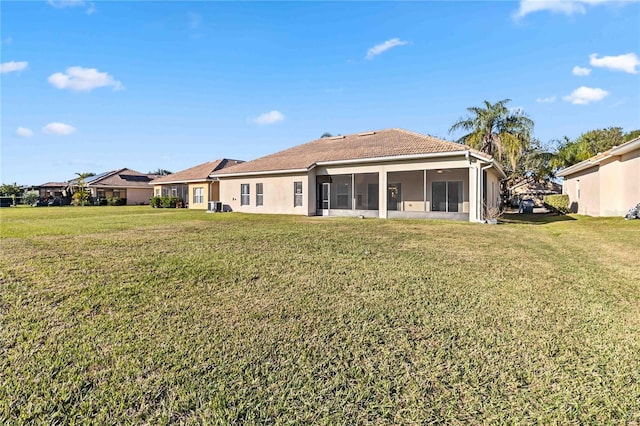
7, 41
568, 7
269, 117
584, 95
383, 47
58, 129
546, 100
581, 71
63, 4
23, 132
83, 79
13, 66
627, 62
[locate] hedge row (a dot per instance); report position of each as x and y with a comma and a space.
558, 203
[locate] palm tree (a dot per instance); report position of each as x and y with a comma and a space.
495, 130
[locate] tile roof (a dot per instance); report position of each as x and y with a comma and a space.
200, 172
359, 146
122, 178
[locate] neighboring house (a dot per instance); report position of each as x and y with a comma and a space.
53, 189
193, 185
528, 187
387, 173
130, 186
607, 184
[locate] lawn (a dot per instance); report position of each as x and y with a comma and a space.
141, 315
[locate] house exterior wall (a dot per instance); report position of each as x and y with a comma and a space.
205, 195
278, 189
630, 170
137, 196
583, 189
278, 194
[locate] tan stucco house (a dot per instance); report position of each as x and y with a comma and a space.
607, 184
389, 173
130, 186
193, 185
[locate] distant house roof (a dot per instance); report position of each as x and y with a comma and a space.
122, 178
197, 173
597, 159
377, 145
53, 185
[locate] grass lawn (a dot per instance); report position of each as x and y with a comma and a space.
141, 315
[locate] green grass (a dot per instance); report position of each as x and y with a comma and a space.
140, 315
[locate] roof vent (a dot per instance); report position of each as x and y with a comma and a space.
366, 133
333, 138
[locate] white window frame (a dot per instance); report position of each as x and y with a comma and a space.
259, 194
245, 196
198, 195
297, 194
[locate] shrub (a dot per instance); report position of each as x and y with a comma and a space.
30, 197
169, 202
557, 203
81, 198
155, 201
116, 201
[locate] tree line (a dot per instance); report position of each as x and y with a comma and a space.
507, 135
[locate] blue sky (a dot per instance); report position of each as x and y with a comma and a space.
96, 86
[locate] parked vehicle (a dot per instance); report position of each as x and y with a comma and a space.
526, 206
40, 203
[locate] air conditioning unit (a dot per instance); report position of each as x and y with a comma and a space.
215, 206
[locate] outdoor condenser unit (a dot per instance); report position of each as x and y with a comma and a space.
215, 206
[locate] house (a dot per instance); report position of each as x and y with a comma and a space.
607, 184
528, 187
193, 186
52, 189
127, 186
390, 173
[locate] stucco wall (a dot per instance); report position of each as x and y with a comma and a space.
630, 170
136, 196
205, 195
277, 194
583, 189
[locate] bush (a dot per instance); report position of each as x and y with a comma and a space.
169, 202
30, 197
155, 202
557, 203
116, 201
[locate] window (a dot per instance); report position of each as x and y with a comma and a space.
446, 196
297, 194
259, 194
157, 192
116, 193
198, 195
244, 194
174, 191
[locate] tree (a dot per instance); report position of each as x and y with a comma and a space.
10, 189
497, 131
81, 196
589, 144
30, 197
161, 172
326, 135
